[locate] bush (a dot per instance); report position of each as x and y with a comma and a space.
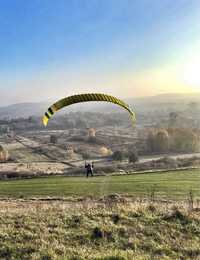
92, 139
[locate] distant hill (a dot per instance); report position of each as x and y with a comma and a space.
167, 98
23, 110
142, 104
169, 102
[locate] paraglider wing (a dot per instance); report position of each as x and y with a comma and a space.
84, 98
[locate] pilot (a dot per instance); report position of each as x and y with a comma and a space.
89, 169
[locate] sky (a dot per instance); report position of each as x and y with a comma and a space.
128, 48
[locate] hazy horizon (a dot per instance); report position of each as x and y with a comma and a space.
124, 48
191, 97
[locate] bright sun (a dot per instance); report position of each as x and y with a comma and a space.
191, 73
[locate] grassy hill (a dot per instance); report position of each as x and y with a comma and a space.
95, 224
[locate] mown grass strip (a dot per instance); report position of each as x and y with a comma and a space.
170, 184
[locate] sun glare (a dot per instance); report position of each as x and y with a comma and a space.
191, 73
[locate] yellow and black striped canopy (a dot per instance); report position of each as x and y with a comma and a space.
84, 98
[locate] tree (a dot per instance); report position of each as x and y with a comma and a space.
162, 141
132, 156
53, 139
118, 156
173, 119
150, 141
185, 140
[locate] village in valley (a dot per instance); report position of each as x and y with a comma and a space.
161, 138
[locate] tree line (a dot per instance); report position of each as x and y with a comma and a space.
173, 140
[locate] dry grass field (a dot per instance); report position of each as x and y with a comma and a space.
110, 228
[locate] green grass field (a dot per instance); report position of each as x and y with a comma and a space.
175, 184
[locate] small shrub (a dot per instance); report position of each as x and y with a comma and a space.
176, 215
190, 201
122, 231
75, 221
152, 193
151, 208
97, 233
115, 218
21, 196
6, 252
